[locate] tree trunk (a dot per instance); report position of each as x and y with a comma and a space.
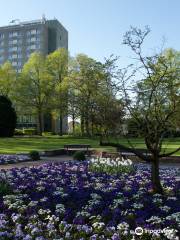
87, 123
92, 128
92, 125
60, 125
73, 123
40, 123
82, 125
156, 183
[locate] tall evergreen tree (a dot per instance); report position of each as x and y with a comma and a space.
7, 117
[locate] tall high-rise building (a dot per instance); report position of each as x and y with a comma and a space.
19, 40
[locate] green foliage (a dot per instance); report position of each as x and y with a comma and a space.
34, 155
79, 155
8, 117
110, 166
7, 80
57, 68
5, 188
30, 131
156, 103
134, 128
25, 131
35, 88
47, 134
92, 95
19, 132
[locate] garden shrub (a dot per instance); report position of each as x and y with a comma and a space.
5, 188
47, 134
79, 155
34, 155
30, 131
8, 117
19, 132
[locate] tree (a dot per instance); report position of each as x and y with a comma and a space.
57, 67
109, 108
35, 88
73, 110
92, 96
7, 80
85, 84
108, 116
150, 91
173, 60
7, 117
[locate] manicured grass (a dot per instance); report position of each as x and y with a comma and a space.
26, 144
169, 145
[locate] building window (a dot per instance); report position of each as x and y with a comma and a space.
14, 64
10, 57
33, 39
13, 34
38, 46
14, 56
12, 49
1, 35
38, 31
1, 59
19, 55
1, 43
13, 41
19, 41
31, 47
32, 32
19, 50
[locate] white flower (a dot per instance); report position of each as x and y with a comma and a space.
154, 219
98, 225
138, 205
123, 226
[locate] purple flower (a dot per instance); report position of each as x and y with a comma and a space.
115, 237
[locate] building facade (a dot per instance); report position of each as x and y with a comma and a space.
20, 39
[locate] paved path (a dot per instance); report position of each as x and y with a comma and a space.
37, 163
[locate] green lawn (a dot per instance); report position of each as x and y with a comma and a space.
26, 144
169, 144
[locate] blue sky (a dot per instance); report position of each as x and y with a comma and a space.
96, 27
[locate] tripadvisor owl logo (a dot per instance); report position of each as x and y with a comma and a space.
139, 231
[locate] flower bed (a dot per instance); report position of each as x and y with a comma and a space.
67, 201
111, 166
13, 158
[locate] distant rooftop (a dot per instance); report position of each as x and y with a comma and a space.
16, 23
